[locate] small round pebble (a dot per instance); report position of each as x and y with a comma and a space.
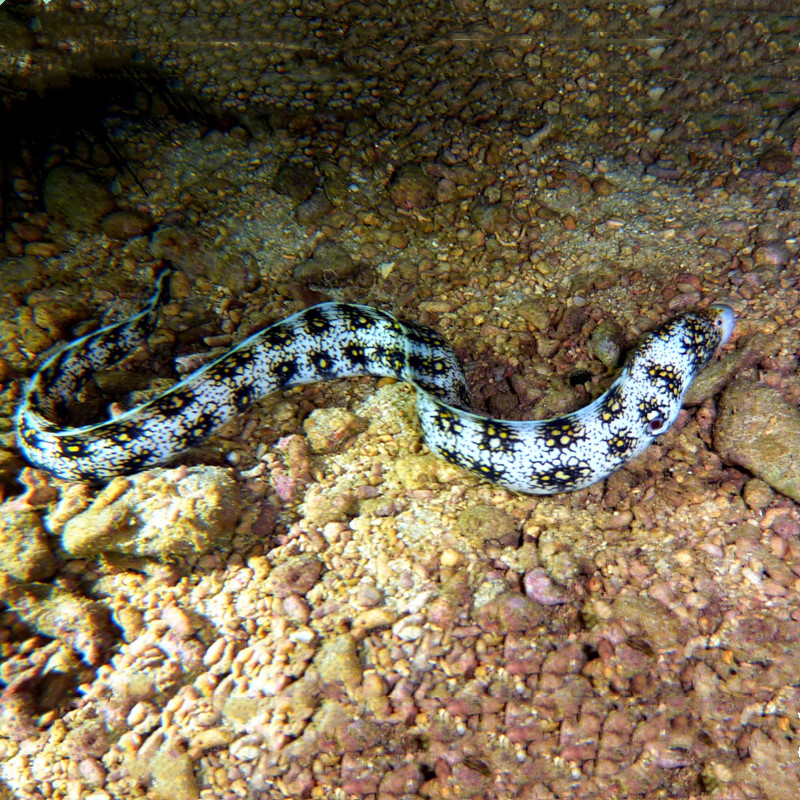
411, 187
124, 225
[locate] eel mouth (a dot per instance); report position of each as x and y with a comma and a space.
728, 319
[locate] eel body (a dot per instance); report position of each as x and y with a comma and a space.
339, 340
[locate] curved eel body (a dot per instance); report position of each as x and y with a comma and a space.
339, 340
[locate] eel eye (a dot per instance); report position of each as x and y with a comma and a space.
656, 424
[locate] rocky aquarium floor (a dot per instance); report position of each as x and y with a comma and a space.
311, 605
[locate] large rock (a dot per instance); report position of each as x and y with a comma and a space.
160, 514
758, 430
76, 198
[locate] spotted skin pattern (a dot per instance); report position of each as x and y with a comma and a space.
339, 340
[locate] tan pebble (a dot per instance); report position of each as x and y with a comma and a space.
777, 546
205, 684
332, 531
150, 745
173, 773
260, 566
618, 520
28, 232
92, 771
24, 546
131, 620
603, 187
337, 660
375, 618
296, 575
221, 778
214, 652
129, 743
687, 282
42, 249
123, 225
179, 286
602, 609
8, 749
213, 737
398, 240
411, 187
374, 685
328, 428
247, 748
450, 557
368, 595
296, 608
178, 620
409, 628
757, 494
223, 665
138, 714
225, 687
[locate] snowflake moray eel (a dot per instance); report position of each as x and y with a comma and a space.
338, 340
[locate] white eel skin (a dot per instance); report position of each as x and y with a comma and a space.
338, 340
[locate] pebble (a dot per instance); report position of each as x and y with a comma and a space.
368, 595
541, 588
295, 575
606, 342
296, 609
403, 781
771, 254
330, 265
509, 613
297, 180
328, 429
92, 771
131, 621
178, 620
450, 557
603, 187
490, 218
757, 494
124, 225
375, 618
313, 211
409, 628
411, 187
776, 160
337, 660
173, 774
210, 738
480, 523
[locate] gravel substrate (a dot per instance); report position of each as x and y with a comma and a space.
311, 605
